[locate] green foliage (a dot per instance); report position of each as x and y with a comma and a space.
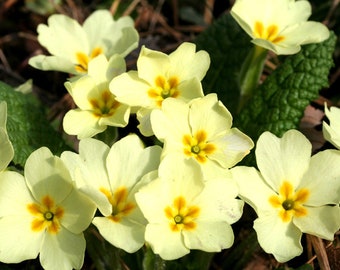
228, 46
279, 103
27, 126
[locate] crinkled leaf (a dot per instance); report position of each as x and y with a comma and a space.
279, 103
228, 46
27, 125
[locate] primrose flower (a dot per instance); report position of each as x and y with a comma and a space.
160, 76
279, 25
72, 46
292, 194
43, 213
111, 177
185, 213
200, 130
331, 131
97, 106
6, 147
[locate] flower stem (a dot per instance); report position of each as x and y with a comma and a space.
251, 71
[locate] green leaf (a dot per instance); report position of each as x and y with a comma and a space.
27, 125
279, 103
228, 46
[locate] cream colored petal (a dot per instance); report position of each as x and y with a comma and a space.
125, 234
283, 159
151, 64
186, 63
6, 148
171, 121
190, 89
170, 247
17, 241
78, 212
128, 161
64, 250
323, 178
278, 238
96, 27
231, 148
84, 124
209, 236
210, 115
253, 190
131, 90
57, 63
63, 36
322, 222
47, 174
81, 89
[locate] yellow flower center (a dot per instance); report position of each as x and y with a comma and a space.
197, 146
289, 202
270, 33
120, 206
84, 59
163, 89
105, 105
181, 216
47, 215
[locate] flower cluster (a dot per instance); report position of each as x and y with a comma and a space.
185, 191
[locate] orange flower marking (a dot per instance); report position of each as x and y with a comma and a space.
105, 105
197, 146
163, 89
84, 59
120, 206
47, 215
271, 33
289, 202
181, 217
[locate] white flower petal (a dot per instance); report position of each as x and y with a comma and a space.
63, 250
47, 174
163, 241
78, 212
283, 159
253, 189
130, 89
63, 36
187, 63
15, 195
124, 234
323, 178
84, 124
128, 161
17, 241
209, 236
322, 221
57, 63
279, 238
7, 151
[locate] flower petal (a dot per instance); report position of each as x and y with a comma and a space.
163, 241
7, 151
128, 161
78, 212
285, 159
277, 237
124, 234
187, 63
130, 89
47, 174
209, 236
63, 250
84, 124
252, 189
322, 221
323, 178
17, 241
